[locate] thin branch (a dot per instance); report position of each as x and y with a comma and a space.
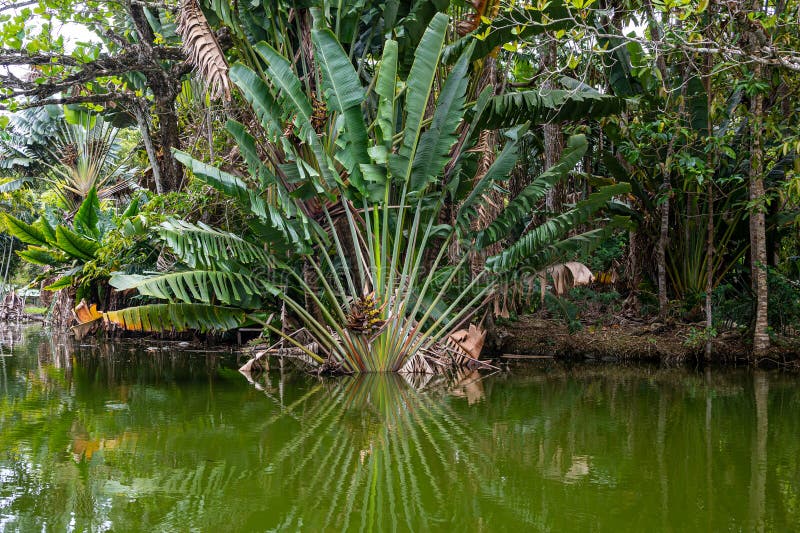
78, 99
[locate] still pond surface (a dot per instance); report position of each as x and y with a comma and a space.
118, 438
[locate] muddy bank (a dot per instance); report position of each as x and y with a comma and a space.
658, 342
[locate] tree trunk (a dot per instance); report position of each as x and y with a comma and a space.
169, 138
8, 255
710, 227
144, 129
553, 140
165, 85
758, 241
709, 267
661, 249
666, 183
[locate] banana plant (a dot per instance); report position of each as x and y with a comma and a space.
364, 179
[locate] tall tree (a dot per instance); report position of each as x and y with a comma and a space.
755, 39
553, 136
134, 65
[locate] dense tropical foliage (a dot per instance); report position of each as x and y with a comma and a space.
362, 179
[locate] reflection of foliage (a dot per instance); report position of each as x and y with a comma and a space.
177, 442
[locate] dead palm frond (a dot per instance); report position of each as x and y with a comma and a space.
204, 51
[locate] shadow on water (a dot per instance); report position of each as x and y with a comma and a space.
130, 437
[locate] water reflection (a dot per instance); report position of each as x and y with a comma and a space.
119, 437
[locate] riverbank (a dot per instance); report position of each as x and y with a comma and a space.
532, 337
662, 342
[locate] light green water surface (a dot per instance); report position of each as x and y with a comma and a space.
118, 438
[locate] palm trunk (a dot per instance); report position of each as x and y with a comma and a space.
758, 241
666, 183
553, 141
710, 228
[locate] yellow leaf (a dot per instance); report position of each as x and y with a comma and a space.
573, 62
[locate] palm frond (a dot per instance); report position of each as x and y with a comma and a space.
544, 235
12, 184
345, 95
525, 202
435, 143
201, 45
540, 106
199, 286
201, 245
419, 86
176, 317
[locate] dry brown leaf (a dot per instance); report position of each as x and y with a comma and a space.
204, 51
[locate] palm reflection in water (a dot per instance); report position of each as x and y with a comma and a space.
382, 449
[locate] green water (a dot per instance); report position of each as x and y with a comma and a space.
116, 438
